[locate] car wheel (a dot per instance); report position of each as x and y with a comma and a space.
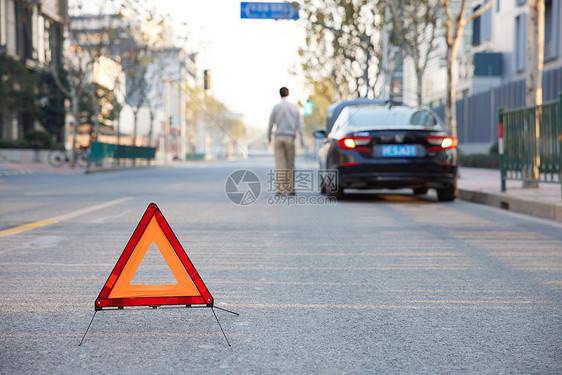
322, 184
447, 194
420, 191
336, 193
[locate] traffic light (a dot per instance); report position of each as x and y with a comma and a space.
307, 107
207, 79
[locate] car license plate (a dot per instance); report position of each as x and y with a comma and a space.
398, 150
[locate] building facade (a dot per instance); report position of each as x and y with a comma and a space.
491, 69
33, 33
155, 88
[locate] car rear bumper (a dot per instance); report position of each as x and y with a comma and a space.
397, 177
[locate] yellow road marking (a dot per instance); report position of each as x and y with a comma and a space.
24, 227
71, 215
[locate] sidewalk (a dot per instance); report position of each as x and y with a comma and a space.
7, 169
484, 186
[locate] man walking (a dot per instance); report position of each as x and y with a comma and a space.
287, 119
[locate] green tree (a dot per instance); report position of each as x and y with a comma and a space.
17, 88
51, 112
98, 105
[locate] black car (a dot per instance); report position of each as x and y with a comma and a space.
382, 145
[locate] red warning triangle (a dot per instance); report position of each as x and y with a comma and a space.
189, 289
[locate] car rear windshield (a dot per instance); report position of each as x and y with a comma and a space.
383, 117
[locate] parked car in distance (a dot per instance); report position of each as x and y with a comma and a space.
387, 146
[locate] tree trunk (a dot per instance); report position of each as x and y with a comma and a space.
535, 62
450, 105
367, 60
10, 130
135, 127
535, 53
96, 103
151, 129
135, 119
419, 75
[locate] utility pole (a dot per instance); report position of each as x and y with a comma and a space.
74, 96
183, 124
167, 123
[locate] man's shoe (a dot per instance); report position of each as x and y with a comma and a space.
292, 194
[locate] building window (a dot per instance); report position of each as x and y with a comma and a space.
55, 43
476, 29
520, 42
24, 47
482, 26
551, 29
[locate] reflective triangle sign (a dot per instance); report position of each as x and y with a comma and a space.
118, 291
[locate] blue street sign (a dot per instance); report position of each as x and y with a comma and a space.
276, 11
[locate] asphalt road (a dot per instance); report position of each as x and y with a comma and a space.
383, 282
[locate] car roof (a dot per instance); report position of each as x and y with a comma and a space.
335, 109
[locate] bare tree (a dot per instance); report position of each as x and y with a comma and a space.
136, 68
341, 44
85, 52
455, 24
136, 62
154, 100
79, 85
415, 23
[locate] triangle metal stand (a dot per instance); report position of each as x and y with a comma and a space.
81, 341
212, 309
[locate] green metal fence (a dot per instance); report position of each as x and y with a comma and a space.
530, 143
100, 151
194, 156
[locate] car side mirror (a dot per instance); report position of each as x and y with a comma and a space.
319, 134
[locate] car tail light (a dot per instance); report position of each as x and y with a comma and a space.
355, 143
441, 143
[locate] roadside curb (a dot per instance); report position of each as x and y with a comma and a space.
102, 170
516, 204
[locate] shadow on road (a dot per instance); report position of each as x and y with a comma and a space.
378, 196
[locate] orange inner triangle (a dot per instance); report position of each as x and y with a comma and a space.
123, 287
